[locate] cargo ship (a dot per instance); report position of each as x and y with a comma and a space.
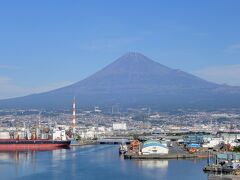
37, 137
35, 140
40, 144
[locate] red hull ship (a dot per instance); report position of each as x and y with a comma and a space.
22, 144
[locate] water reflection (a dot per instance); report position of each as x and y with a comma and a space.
59, 154
152, 164
29, 158
17, 156
92, 162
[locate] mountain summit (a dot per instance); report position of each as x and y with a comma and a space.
134, 72
135, 80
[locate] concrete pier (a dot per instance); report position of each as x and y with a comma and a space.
160, 156
223, 177
217, 169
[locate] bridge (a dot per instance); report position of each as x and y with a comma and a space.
115, 140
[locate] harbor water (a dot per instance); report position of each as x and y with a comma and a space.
94, 162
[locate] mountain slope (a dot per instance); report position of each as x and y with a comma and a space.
135, 80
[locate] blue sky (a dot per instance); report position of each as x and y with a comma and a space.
48, 44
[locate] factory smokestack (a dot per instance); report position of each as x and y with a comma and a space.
74, 115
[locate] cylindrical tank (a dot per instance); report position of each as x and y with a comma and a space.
44, 136
21, 135
29, 135
33, 136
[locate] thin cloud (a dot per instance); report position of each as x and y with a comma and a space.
8, 88
51, 86
235, 48
228, 74
4, 66
4, 79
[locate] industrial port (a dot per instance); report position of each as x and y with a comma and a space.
139, 133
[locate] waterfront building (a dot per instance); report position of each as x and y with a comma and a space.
154, 147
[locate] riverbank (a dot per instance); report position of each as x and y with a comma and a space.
85, 142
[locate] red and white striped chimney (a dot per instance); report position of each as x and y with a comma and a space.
74, 115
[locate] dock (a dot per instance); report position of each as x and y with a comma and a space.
223, 177
175, 152
217, 169
163, 156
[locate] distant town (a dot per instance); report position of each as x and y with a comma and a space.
97, 124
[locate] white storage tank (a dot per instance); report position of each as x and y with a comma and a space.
19, 135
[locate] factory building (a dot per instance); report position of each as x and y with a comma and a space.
119, 126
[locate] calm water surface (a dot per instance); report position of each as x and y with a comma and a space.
94, 162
